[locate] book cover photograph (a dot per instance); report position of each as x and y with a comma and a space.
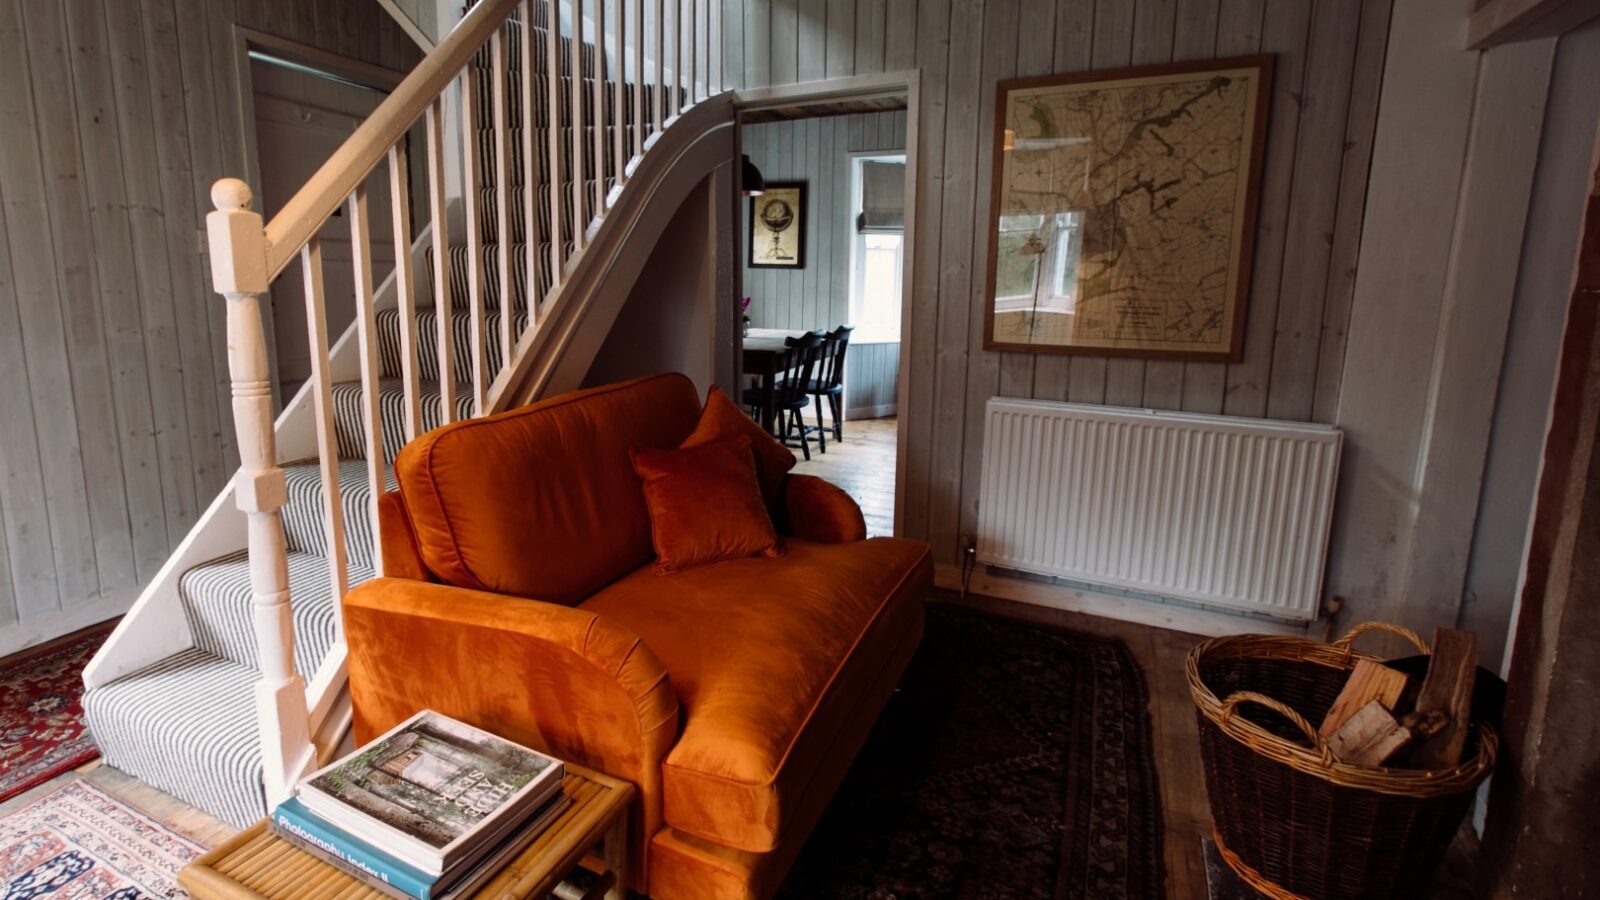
434, 780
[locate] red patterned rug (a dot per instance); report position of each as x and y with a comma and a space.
41, 722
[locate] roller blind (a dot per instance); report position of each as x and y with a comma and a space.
883, 197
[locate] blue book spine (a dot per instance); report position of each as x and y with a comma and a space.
293, 817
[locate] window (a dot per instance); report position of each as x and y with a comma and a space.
877, 253
1038, 264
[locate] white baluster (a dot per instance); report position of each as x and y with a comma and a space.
638, 77
552, 49
238, 251
502, 192
472, 180
438, 212
405, 285
367, 343
575, 70
661, 64
618, 119
530, 171
327, 437
598, 93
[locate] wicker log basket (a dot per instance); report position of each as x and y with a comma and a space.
1290, 820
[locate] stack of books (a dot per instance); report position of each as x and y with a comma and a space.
431, 810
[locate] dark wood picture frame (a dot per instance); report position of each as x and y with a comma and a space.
798, 226
1243, 250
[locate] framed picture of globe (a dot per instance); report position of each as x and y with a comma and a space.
778, 227
1123, 212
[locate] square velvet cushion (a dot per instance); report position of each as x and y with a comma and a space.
723, 420
705, 504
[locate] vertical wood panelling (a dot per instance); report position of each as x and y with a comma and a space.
1001, 19
67, 534
1330, 60
77, 284
151, 275
120, 115
963, 98
95, 103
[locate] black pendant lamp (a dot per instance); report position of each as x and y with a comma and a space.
751, 184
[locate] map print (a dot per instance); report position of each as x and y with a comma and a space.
1121, 212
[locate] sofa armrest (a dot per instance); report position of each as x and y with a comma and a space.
557, 678
817, 510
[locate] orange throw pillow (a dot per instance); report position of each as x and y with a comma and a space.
705, 504
722, 420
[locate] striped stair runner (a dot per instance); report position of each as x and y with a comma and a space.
187, 724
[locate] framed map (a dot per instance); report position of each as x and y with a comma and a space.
1124, 210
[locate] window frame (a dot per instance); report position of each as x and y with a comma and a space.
856, 305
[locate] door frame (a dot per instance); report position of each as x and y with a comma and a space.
361, 74
830, 92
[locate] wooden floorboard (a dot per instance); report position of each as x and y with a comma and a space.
863, 465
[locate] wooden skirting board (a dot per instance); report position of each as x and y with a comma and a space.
1174, 616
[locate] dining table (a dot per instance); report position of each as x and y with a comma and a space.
765, 350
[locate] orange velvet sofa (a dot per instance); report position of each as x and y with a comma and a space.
520, 597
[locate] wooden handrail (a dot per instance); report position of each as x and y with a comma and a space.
369, 145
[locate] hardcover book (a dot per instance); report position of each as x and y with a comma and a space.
433, 792
301, 827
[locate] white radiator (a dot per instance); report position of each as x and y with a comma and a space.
1217, 510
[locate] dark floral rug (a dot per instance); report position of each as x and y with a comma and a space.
1016, 761
41, 722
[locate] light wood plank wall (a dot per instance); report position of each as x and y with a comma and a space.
1479, 176
1324, 103
1438, 367
115, 428
817, 152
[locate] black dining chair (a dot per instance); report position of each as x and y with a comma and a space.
790, 397
829, 383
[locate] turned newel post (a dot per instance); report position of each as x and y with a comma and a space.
239, 272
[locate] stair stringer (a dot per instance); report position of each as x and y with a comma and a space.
155, 626
579, 315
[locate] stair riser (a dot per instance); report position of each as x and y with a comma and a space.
217, 601
541, 145
428, 344
303, 525
347, 412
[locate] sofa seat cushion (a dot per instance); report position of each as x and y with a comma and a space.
768, 657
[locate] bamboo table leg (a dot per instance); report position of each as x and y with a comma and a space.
615, 854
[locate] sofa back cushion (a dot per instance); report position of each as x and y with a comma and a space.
542, 501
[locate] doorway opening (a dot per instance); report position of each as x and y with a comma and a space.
301, 105
827, 253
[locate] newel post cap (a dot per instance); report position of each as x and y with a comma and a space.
236, 241
230, 194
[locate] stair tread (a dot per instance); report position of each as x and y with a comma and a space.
187, 726
217, 600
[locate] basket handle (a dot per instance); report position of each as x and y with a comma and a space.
1346, 644
1240, 697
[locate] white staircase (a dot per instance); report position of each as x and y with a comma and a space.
225, 684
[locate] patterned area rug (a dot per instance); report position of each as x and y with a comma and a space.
79, 842
1016, 761
41, 722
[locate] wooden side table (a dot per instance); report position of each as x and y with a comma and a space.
256, 864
